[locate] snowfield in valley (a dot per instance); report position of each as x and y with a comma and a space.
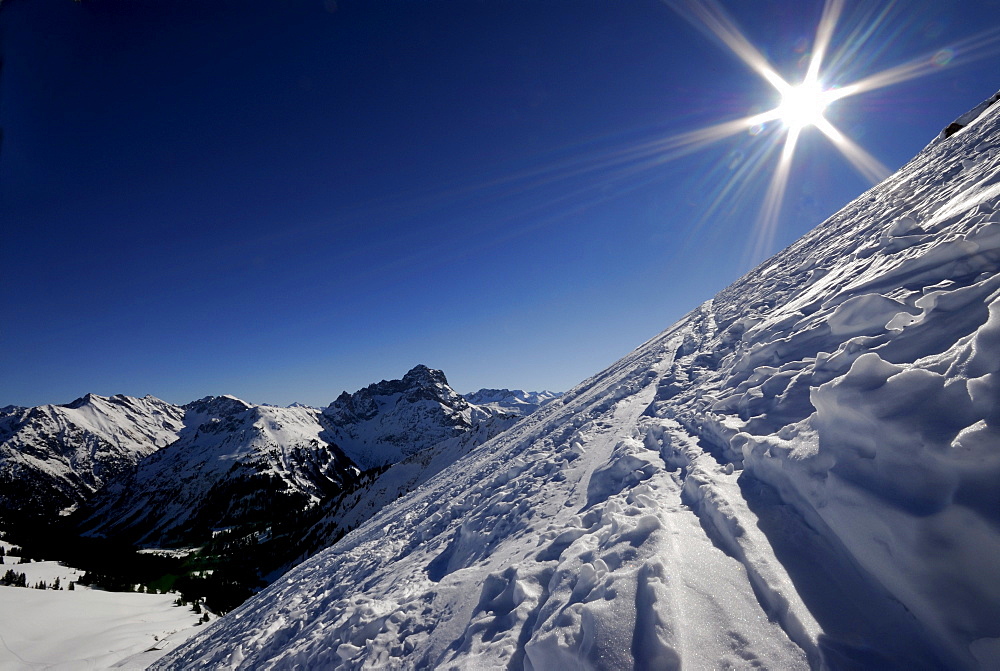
802, 473
83, 628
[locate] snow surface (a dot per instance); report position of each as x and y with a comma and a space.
84, 628
801, 473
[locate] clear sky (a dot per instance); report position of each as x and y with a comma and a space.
283, 200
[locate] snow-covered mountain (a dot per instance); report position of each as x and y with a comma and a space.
233, 463
801, 473
388, 421
54, 457
515, 401
237, 465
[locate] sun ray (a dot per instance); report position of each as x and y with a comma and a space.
710, 134
610, 163
713, 17
970, 49
824, 34
858, 41
625, 167
738, 184
804, 104
862, 161
767, 218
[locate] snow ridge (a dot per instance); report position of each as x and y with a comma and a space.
232, 463
516, 401
801, 473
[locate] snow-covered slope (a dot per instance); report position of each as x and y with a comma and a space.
388, 421
53, 457
233, 463
803, 472
514, 401
379, 487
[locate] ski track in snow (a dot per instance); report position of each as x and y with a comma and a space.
799, 474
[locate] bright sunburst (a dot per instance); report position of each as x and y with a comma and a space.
803, 105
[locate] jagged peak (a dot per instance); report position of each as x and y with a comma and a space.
419, 383
423, 375
223, 404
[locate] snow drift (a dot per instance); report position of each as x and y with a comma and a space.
801, 473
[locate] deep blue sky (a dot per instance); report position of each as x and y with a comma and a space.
284, 200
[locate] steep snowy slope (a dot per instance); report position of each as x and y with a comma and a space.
55, 456
393, 419
801, 473
380, 487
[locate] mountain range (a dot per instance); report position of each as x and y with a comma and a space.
247, 481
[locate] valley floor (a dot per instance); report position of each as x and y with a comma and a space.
84, 628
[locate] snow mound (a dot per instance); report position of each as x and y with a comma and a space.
801, 473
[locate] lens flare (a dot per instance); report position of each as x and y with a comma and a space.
803, 105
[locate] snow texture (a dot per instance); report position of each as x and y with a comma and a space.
801, 473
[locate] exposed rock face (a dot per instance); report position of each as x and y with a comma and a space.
388, 421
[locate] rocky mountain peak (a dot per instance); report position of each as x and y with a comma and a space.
424, 376
218, 405
420, 383
389, 420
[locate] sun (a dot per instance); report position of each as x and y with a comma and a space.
803, 105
